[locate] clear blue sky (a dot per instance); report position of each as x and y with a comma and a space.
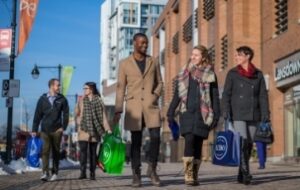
64, 32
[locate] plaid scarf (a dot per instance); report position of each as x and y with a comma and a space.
92, 118
204, 75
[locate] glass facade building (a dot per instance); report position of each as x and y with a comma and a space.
129, 18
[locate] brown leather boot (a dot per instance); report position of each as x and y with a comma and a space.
188, 170
151, 173
196, 167
136, 177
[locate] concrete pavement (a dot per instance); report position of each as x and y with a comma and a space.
274, 177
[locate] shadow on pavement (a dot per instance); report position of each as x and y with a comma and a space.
269, 179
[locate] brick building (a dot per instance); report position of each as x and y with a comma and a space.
270, 27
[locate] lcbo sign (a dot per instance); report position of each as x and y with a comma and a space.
221, 147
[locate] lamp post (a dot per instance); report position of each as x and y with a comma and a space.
11, 76
35, 71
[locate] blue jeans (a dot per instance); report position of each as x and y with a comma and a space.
261, 153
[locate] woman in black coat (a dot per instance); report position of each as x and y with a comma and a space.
245, 100
197, 93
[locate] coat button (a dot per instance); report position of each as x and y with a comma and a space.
252, 86
241, 96
241, 85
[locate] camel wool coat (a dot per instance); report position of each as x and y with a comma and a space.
140, 92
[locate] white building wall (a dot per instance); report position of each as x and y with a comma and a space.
104, 40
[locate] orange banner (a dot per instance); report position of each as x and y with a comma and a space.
28, 10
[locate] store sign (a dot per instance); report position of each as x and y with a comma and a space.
292, 68
5, 48
287, 71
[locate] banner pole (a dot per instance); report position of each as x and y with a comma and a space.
11, 76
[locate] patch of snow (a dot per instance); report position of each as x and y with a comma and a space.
2, 172
19, 166
67, 163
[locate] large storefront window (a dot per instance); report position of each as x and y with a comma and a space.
292, 122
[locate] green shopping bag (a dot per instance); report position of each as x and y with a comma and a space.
112, 152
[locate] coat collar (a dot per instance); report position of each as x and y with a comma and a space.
149, 62
235, 70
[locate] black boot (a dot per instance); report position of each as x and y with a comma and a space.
136, 177
244, 165
240, 176
92, 176
151, 173
82, 172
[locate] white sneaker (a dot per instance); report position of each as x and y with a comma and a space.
53, 177
44, 177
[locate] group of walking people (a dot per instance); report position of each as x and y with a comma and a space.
138, 89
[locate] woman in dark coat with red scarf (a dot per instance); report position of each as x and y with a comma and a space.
245, 101
197, 92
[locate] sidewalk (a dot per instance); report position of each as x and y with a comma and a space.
275, 177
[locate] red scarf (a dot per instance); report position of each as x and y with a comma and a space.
249, 73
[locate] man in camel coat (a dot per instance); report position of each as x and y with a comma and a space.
140, 86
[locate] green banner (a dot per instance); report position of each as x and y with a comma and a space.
66, 78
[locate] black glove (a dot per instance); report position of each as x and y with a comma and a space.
265, 119
170, 120
214, 124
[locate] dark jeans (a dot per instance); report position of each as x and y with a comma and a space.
136, 143
193, 146
51, 141
84, 147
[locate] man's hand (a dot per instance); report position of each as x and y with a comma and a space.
117, 117
60, 130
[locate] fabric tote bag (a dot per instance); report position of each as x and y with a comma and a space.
226, 149
112, 153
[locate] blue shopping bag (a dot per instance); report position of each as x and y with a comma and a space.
174, 127
34, 149
226, 150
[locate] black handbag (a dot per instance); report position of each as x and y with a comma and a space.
264, 133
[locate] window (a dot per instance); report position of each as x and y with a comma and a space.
144, 22
162, 57
130, 13
208, 9
188, 29
174, 84
224, 52
175, 43
154, 9
196, 18
153, 20
144, 9
281, 14
212, 54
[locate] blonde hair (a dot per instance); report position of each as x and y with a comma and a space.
206, 60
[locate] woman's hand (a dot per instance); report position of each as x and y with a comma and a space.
109, 131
